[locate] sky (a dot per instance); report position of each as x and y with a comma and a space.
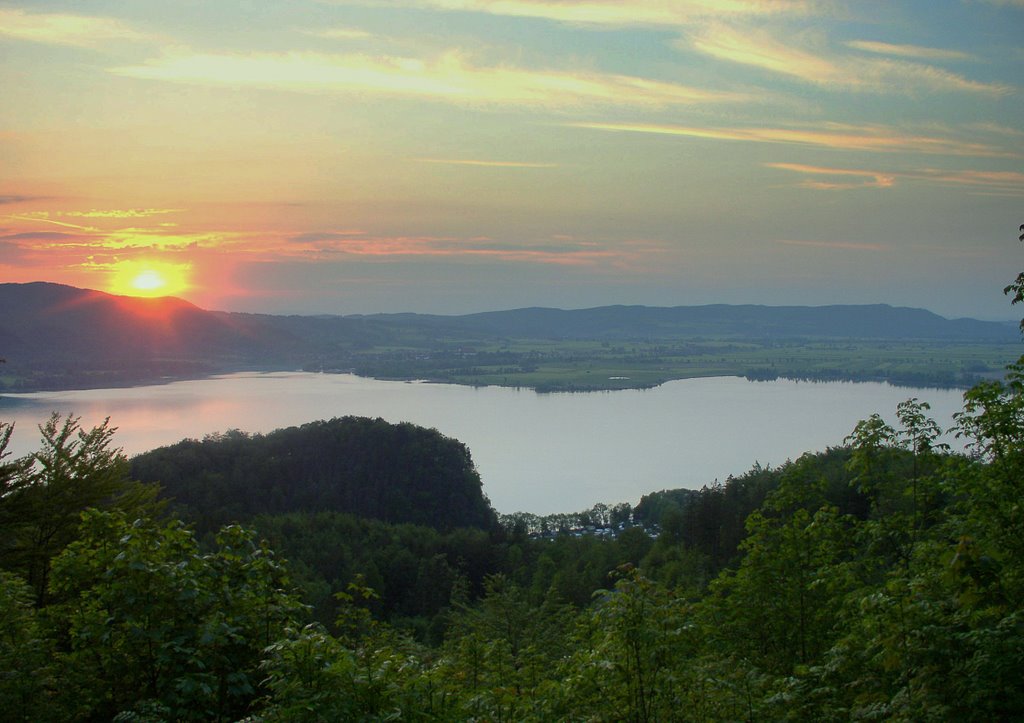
454, 156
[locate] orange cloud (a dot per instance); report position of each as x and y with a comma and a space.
450, 77
876, 179
992, 182
120, 213
908, 51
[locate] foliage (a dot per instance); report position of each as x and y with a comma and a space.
149, 619
42, 495
368, 467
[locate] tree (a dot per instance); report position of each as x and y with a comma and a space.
44, 494
152, 623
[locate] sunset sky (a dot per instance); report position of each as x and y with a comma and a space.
451, 156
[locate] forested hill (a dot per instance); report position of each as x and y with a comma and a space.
877, 321
398, 473
55, 336
60, 337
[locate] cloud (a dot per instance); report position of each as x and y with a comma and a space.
1010, 183
908, 51
486, 164
604, 13
839, 245
12, 199
64, 29
39, 236
42, 217
759, 49
450, 77
1004, 183
370, 247
875, 179
846, 73
836, 136
315, 237
117, 213
339, 33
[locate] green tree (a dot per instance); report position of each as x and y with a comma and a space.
778, 608
44, 494
633, 654
26, 652
499, 658
151, 621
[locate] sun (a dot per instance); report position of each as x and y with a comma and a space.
149, 279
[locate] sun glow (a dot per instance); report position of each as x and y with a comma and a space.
149, 279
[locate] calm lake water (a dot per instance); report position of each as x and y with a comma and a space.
540, 453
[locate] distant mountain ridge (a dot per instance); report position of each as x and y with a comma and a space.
874, 321
56, 336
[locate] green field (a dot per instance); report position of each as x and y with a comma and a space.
584, 366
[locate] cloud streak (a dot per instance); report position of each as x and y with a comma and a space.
604, 13
485, 163
451, 77
836, 136
908, 51
759, 49
874, 179
66, 29
995, 182
836, 245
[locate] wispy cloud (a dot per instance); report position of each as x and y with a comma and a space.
605, 13
908, 51
65, 29
372, 247
119, 213
11, 199
42, 217
99, 249
760, 49
38, 236
339, 33
451, 77
838, 245
1009, 183
484, 163
873, 179
837, 136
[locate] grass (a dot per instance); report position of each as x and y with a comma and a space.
554, 366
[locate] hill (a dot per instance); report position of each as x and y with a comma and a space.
398, 473
876, 321
55, 336
60, 337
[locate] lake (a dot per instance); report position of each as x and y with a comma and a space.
540, 453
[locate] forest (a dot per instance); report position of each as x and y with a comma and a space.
274, 578
879, 580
